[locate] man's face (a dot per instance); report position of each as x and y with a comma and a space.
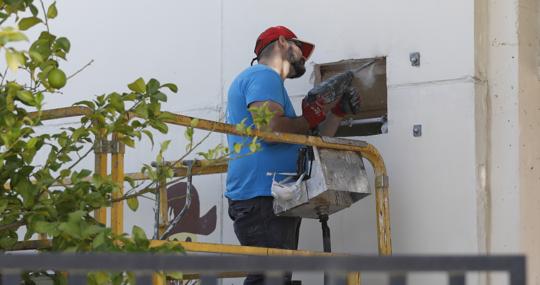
296, 59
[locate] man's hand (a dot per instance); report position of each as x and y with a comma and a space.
313, 111
349, 104
332, 88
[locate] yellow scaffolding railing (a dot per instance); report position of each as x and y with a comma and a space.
366, 150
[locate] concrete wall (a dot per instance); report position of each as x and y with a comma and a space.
508, 33
529, 137
442, 184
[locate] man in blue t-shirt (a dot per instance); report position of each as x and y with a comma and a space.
280, 55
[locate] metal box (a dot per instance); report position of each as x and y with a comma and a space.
338, 179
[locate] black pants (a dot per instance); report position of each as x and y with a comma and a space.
255, 224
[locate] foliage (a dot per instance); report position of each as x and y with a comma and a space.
44, 191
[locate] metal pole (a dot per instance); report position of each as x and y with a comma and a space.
163, 206
327, 244
117, 173
100, 168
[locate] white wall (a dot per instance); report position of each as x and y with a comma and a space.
201, 46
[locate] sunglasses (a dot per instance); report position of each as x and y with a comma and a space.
297, 43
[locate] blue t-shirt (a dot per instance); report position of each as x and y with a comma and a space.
247, 176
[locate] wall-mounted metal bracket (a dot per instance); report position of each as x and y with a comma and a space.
417, 130
414, 57
106, 146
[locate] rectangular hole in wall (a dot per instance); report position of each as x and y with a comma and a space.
371, 83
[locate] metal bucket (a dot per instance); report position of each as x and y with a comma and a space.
338, 179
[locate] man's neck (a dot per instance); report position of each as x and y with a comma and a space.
280, 66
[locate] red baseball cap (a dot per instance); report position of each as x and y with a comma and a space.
272, 34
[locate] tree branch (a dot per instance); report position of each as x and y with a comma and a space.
136, 194
83, 68
11, 226
45, 15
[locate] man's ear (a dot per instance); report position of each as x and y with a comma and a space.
282, 42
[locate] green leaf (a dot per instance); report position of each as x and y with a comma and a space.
33, 10
26, 97
128, 141
142, 111
9, 34
152, 86
138, 234
92, 230
27, 23
133, 203
160, 126
131, 181
165, 146
36, 56
14, 59
101, 277
117, 102
71, 229
76, 216
43, 47
254, 146
46, 228
188, 134
98, 240
12, 2
160, 97
237, 147
64, 44
3, 205
171, 87
84, 173
241, 127
52, 12
149, 135
86, 103
175, 275
131, 277
138, 86
7, 241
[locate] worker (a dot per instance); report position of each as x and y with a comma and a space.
280, 55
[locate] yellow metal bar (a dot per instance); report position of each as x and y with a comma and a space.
366, 150
195, 276
163, 207
158, 279
202, 247
60, 113
383, 219
100, 168
117, 174
177, 172
181, 172
32, 244
353, 278
239, 249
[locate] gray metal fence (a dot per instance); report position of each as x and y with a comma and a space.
77, 265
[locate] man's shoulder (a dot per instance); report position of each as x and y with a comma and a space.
259, 71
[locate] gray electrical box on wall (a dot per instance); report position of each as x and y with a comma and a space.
371, 84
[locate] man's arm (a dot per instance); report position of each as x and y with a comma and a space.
330, 126
281, 123
299, 125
